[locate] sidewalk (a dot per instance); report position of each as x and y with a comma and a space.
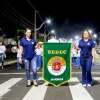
7, 62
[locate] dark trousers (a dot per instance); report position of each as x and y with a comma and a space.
86, 64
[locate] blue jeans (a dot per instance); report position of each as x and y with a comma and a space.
86, 64
18, 64
38, 61
31, 65
76, 61
2, 58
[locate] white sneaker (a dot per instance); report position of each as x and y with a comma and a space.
84, 85
28, 83
35, 83
89, 85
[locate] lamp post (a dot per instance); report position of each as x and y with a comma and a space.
50, 32
47, 21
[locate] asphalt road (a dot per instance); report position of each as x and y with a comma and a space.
13, 87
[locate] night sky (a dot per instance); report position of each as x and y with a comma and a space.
69, 16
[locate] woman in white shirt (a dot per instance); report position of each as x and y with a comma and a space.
18, 57
2, 53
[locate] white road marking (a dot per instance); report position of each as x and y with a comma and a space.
20, 73
12, 73
73, 79
23, 73
37, 93
96, 78
5, 87
78, 92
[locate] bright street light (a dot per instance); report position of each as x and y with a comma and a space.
77, 37
53, 31
50, 32
90, 31
95, 36
48, 21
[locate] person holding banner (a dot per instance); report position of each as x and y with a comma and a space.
53, 39
27, 46
86, 45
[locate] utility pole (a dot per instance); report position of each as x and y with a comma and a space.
35, 33
45, 36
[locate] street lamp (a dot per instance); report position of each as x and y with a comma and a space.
90, 31
50, 32
47, 21
53, 31
95, 36
77, 37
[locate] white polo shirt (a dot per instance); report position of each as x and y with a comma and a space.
53, 40
2, 49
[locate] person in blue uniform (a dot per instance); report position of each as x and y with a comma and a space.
27, 46
86, 45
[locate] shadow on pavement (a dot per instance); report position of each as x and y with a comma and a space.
95, 82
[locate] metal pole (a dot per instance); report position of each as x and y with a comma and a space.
45, 36
35, 34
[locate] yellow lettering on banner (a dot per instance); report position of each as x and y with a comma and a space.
49, 51
56, 51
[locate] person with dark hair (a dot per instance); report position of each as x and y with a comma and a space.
53, 39
86, 46
27, 46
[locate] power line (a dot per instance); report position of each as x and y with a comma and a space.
33, 7
16, 16
20, 16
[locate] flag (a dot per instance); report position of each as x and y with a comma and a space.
57, 63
